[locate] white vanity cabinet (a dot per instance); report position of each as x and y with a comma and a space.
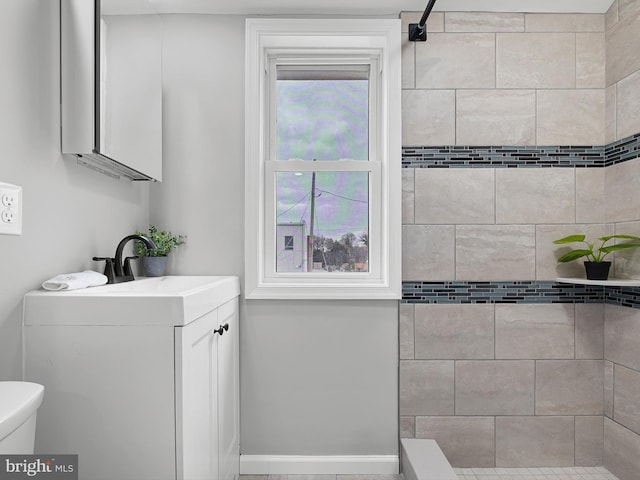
141, 378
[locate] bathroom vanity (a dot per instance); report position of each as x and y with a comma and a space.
142, 377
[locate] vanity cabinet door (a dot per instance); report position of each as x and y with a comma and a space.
229, 392
196, 358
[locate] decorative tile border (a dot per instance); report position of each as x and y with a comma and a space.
622, 150
521, 156
524, 292
500, 292
623, 296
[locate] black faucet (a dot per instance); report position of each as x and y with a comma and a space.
115, 269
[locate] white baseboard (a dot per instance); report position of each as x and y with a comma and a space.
319, 465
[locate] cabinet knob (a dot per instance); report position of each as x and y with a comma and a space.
221, 329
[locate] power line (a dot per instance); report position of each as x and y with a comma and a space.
340, 196
294, 205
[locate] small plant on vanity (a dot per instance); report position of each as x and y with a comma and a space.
595, 266
154, 261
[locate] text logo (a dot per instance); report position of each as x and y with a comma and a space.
49, 467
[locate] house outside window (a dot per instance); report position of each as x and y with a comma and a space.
323, 158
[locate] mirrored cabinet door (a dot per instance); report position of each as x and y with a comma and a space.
112, 86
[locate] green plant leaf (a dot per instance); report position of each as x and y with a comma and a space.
570, 239
619, 246
573, 255
627, 237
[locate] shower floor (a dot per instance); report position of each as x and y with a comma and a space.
549, 473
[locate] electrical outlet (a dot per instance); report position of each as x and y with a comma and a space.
10, 209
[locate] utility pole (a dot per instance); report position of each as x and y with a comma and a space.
313, 213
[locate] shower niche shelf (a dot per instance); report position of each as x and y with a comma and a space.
612, 282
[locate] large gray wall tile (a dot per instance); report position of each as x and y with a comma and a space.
426, 387
590, 195
589, 441
495, 252
550, 65
454, 196
628, 9
570, 117
495, 387
465, 441
608, 388
406, 331
626, 400
408, 196
428, 252
611, 17
428, 117
569, 387
626, 263
535, 331
535, 195
622, 203
623, 38
559, 22
483, 22
610, 114
456, 60
539, 441
621, 447
496, 117
627, 101
547, 253
622, 335
590, 60
408, 63
454, 331
407, 427
589, 331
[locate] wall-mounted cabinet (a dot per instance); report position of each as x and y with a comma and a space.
111, 92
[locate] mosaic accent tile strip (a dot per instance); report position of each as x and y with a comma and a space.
455, 156
502, 157
623, 296
500, 292
524, 292
622, 150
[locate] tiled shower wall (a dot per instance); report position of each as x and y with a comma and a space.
622, 184
520, 384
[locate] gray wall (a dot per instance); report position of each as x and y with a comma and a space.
70, 213
317, 378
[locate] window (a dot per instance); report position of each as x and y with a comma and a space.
288, 242
323, 159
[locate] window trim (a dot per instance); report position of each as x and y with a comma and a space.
328, 41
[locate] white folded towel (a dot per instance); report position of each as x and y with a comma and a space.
74, 281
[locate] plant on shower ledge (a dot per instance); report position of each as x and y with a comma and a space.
154, 261
596, 267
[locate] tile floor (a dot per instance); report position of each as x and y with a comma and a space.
549, 473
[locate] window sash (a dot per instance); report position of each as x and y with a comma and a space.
375, 216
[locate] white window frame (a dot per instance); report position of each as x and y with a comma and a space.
323, 42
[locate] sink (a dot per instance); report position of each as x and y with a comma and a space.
169, 300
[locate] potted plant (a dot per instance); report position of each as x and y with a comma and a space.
154, 261
595, 266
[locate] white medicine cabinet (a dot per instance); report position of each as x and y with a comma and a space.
111, 86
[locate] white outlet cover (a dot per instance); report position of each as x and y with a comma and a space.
10, 209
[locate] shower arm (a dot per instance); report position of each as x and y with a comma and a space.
418, 31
